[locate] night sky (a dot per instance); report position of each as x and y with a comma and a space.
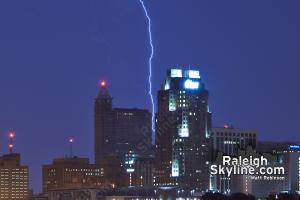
53, 53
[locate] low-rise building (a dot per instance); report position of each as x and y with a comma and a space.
70, 173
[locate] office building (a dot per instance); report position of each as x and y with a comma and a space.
120, 130
130, 170
230, 141
144, 169
70, 173
139, 169
287, 156
272, 146
115, 174
292, 157
13, 178
183, 126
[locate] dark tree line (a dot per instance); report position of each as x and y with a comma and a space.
283, 197
235, 196
242, 196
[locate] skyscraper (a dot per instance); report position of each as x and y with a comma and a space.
119, 131
13, 178
183, 125
103, 124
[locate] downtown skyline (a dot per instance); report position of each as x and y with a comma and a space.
49, 82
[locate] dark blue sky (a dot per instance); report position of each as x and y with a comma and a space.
52, 54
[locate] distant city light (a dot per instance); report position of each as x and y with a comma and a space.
71, 140
10, 146
226, 126
130, 170
294, 146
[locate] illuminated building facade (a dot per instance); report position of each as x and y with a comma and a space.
120, 130
70, 173
13, 178
287, 155
128, 193
183, 126
139, 169
127, 171
229, 141
290, 157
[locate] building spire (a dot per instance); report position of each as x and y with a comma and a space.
103, 92
11, 136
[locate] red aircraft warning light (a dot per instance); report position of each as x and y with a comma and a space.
103, 83
11, 136
71, 141
10, 148
226, 126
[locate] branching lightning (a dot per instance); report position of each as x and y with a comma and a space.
150, 63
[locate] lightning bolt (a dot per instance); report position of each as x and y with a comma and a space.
150, 63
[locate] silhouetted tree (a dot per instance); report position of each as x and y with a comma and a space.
241, 196
285, 196
251, 197
214, 196
271, 197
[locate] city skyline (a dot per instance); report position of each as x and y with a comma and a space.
51, 65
